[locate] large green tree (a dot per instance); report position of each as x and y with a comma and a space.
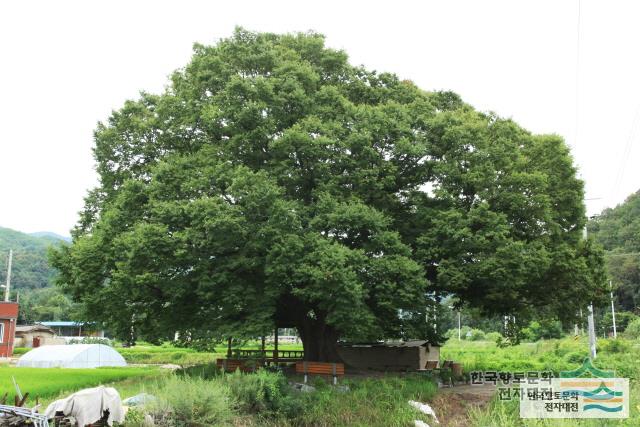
273, 183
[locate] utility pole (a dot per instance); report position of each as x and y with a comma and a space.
459, 328
613, 312
8, 285
592, 333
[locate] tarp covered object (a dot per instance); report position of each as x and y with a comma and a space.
71, 356
88, 405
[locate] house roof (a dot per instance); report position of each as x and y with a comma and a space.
24, 329
61, 323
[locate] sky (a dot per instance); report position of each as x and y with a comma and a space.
565, 67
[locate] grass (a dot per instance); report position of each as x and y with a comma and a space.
554, 355
369, 402
164, 354
19, 351
358, 402
265, 399
47, 383
147, 354
619, 355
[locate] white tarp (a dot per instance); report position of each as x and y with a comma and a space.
88, 405
71, 356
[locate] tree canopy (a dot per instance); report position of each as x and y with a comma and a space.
273, 183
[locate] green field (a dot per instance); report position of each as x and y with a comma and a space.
620, 355
381, 398
148, 354
47, 383
157, 355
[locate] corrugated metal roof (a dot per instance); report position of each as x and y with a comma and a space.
61, 323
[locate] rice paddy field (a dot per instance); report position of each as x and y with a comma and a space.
47, 383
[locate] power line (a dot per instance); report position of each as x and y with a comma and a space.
577, 77
635, 126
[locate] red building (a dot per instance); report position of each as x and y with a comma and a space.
8, 316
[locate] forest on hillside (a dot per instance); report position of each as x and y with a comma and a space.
32, 276
618, 231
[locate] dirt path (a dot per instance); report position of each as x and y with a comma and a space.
452, 404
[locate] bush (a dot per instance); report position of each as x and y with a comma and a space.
575, 357
261, 392
633, 329
623, 318
493, 336
91, 340
476, 335
17, 351
544, 329
616, 346
186, 401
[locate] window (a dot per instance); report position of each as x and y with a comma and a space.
1, 331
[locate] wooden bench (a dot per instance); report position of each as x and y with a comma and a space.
231, 365
430, 367
320, 368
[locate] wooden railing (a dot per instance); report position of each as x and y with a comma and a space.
281, 355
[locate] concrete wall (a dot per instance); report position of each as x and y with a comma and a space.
26, 340
385, 358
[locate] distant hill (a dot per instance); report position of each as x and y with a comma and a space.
30, 269
618, 231
50, 235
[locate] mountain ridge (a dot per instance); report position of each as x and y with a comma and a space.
30, 266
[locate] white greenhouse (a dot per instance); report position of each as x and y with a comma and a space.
71, 356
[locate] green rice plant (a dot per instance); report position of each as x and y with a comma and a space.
51, 382
164, 355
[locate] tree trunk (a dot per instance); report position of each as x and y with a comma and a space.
319, 340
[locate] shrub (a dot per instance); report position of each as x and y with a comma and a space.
633, 329
544, 329
134, 418
187, 401
493, 336
451, 333
465, 331
261, 392
91, 340
616, 346
476, 335
575, 357
623, 318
